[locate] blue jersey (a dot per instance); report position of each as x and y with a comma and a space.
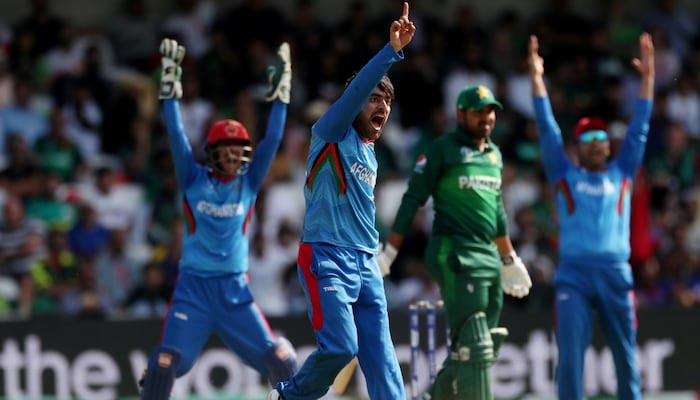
341, 168
216, 212
593, 207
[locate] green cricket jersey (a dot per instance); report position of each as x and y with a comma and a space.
466, 187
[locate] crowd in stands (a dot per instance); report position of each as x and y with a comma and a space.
91, 212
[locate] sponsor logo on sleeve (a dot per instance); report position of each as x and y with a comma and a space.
420, 164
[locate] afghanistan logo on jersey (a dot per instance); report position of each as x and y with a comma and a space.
420, 164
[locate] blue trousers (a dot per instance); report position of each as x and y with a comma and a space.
607, 289
348, 312
222, 305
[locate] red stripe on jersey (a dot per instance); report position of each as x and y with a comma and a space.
563, 186
633, 298
329, 154
189, 217
248, 216
304, 261
624, 188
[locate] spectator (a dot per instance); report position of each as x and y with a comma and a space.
21, 117
43, 26
87, 237
117, 204
86, 300
190, 23
21, 175
47, 205
21, 246
150, 298
58, 154
133, 34
118, 267
55, 275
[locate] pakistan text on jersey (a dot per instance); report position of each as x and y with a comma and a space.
364, 174
479, 182
222, 211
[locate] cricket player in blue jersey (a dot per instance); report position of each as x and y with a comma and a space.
336, 265
212, 295
593, 206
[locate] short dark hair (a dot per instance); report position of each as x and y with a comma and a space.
385, 84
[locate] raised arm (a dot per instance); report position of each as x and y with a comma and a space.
645, 66
170, 90
632, 150
280, 78
554, 159
333, 125
536, 65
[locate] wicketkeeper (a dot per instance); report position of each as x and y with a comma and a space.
212, 295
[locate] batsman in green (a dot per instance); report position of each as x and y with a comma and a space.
469, 253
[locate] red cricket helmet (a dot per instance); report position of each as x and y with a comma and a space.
233, 132
586, 124
227, 129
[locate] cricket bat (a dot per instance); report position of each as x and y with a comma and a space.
344, 376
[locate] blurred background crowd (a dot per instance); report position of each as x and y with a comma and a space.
91, 213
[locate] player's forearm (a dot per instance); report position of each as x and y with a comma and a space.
406, 213
179, 144
646, 87
539, 89
268, 146
504, 245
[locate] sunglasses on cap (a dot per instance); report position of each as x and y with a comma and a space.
588, 137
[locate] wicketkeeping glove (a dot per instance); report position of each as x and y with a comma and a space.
515, 280
387, 255
279, 74
171, 56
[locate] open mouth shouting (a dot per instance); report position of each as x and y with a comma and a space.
377, 123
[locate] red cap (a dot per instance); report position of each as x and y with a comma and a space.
586, 124
227, 129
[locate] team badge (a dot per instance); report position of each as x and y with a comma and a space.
164, 360
493, 158
420, 164
483, 92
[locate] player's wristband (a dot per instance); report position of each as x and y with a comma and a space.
509, 258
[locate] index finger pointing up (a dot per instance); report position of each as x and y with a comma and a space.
405, 10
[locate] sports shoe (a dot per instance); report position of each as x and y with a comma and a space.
279, 75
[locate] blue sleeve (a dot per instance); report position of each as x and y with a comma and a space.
334, 123
185, 165
267, 148
553, 156
632, 150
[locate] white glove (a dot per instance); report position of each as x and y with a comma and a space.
279, 75
171, 57
387, 255
515, 280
